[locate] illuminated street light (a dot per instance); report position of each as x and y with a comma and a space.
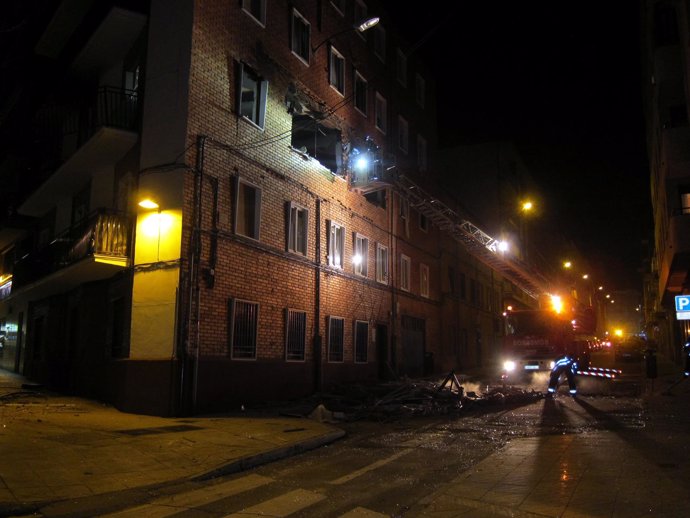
585, 276
527, 206
148, 203
361, 26
567, 264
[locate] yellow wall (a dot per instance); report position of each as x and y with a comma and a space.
153, 314
158, 239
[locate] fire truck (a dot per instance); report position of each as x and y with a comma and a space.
534, 339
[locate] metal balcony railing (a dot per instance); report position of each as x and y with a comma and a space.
104, 233
73, 124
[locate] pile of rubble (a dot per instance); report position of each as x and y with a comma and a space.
418, 397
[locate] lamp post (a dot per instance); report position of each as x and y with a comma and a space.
361, 26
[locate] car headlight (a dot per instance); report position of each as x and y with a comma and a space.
509, 366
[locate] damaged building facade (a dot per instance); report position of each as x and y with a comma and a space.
234, 206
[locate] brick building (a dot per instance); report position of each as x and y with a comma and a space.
286, 240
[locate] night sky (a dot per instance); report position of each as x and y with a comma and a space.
562, 81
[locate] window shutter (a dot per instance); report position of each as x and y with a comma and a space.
263, 96
239, 73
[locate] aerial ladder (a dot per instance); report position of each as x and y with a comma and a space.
481, 245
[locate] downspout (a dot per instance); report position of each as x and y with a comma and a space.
190, 361
318, 373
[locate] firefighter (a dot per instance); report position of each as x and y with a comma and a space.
686, 350
565, 364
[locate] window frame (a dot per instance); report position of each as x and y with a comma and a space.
405, 272
424, 280
247, 8
336, 70
381, 113
359, 242
360, 13
232, 310
403, 134
256, 235
380, 42
293, 229
339, 240
358, 79
357, 346
331, 345
382, 264
298, 17
423, 223
301, 347
258, 118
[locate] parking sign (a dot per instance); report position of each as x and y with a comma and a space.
682, 303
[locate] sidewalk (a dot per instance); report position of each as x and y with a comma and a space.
623, 471
54, 447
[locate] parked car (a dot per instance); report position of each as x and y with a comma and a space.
630, 349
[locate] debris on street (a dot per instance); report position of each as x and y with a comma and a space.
412, 397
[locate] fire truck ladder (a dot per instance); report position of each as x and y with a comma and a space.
476, 241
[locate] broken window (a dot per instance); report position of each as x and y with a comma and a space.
313, 138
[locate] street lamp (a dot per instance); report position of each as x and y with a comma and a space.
360, 26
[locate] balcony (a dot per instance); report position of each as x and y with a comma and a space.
91, 138
675, 263
94, 249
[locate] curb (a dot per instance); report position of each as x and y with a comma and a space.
259, 459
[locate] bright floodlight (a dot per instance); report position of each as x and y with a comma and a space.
361, 163
503, 246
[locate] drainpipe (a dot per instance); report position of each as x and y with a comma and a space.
318, 372
189, 324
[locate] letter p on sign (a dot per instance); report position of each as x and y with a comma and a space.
682, 303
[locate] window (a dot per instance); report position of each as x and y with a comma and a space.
421, 153
251, 101
380, 109
360, 14
381, 263
336, 244
401, 68
244, 318
423, 223
423, 280
301, 30
318, 141
255, 8
361, 341
405, 216
403, 134
380, 42
419, 90
360, 259
405, 270
361, 94
295, 334
336, 339
336, 73
247, 209
298, 225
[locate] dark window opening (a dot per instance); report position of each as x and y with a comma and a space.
377, 198
318, 141
665, 25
